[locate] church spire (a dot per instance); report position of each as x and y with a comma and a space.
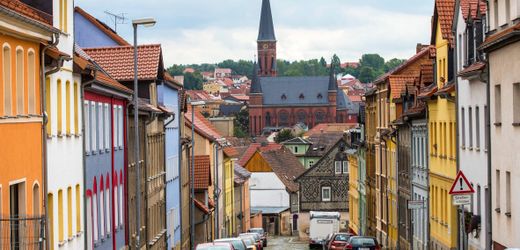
256, 88
333, 83
266, 31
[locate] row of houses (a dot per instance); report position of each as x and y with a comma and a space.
451, 107
86, 165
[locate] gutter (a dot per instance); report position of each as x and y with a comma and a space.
43, 83
31, 21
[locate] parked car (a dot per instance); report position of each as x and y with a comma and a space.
338, 241
250, 242
260, 231
237, 243
258, 239
362, 243
215, 246
327, 240
322, 224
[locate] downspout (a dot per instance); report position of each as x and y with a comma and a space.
43, 105
462, 236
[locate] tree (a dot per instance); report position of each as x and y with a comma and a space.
335, 62
366, 74
393, 63
176, 70
283, 135
241, 124
374, 61
323, 63
193, 80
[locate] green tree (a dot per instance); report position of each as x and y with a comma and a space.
283, 135
176, 70
392, 64
336, 62
241, 123
366, 74
373, 61
323, 63
193, 81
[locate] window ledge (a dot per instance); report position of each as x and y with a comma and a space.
68, 135
516, 124
497, 124
60, 135
477, 149
508, 214
497, 210
470, 148
77, 135
62, 243
463, 147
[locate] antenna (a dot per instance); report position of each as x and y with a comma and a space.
117, 19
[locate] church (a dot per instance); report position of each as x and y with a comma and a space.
278, 102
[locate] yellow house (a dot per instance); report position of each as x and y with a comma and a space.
442, 129
353, 193
228, 178
212, 88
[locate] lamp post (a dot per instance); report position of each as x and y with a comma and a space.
192, 172
146, 22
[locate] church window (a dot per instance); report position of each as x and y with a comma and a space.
284, 118
284, 97
302, 96
320, 96
320, 117
302, 116
268, 119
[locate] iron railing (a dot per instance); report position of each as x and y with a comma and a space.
21, 233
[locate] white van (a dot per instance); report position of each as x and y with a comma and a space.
321, 225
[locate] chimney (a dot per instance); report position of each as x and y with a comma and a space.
420, 47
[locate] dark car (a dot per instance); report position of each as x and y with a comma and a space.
215, 246
258, 239
237, 243
338, 241
362, 243
260, 231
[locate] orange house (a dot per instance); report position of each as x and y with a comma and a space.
23, 31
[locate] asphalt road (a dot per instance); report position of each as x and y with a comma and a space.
285, 243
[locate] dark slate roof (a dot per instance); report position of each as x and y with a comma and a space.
266, 30
343, 102
322, 143
230, 109
256, 87
274, 88
297, 140
285, 165
241, 174
333, 83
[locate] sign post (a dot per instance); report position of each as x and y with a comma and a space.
461, 192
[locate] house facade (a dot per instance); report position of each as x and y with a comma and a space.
242, 201
370, 160
25, 31
502, 47
325, 187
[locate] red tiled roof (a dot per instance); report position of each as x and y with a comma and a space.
202, 171
230, 152
398, 84
227, 81
27, 11
447, 88
428, 91
445, 14
472, 7
188, 70
503, 34
427, 73
473, 68
250, 151
285, 165
329, 127
197, 95
200, 205
355, 98
102, 26
119, 61
202, 125
427, 51
222, 70
171, 79
240, 97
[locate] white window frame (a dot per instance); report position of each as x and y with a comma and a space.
323, 198
345, 167
115, 133
107, 206
101, 126
107, 128
120, 120
86, 111
93, 126
337, 167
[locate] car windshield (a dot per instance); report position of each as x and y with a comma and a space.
257, 230
254, 235
342, 237
363, 242
237, 244
248, 241
213, 248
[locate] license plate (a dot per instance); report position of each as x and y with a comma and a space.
364, 248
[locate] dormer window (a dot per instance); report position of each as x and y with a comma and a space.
284, 97
320, 96
302, 96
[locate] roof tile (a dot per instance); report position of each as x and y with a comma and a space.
27, 11
285, 165
202, 171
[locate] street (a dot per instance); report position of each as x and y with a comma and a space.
283, 243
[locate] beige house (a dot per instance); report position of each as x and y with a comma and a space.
503, 52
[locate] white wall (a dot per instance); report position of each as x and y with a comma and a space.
268, 191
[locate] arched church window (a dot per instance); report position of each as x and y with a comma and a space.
301, 116
283, 118
320, 96
302, 96
267, 119
320, 117
284, 97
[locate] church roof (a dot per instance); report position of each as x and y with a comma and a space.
255, 82
266, 31
305, 90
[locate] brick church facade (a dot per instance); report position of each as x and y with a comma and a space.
277, 102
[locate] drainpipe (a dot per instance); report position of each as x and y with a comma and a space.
43, 105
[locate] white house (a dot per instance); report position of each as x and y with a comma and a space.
64, 141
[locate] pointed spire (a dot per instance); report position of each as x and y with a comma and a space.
333, 83
266, 31
256, 88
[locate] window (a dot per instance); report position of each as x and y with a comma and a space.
48, 105
100, 128
95, 211
470, 113
516, 103
498, 105
59, 112
107, 203
69, 212
20, 92
345, 167
497, 191
86, 111
115, 134
101, 206
116, 200
121, 119
36, 200
76, 108
60, 216
120, 189
325, 194
93, 128
463, 127
50, 204
486, 124
107, 127
495, 13
337, 167
67, 107
7, 80
477, 127
31, 82
296, 149
78, 209
479, 203
508, 10
63, 15
508, 193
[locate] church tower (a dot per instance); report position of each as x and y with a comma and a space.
266, 42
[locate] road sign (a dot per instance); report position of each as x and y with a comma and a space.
461, 185
461, 199
416, 204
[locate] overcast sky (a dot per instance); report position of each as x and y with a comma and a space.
209, 31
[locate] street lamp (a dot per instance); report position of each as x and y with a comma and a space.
192, 214
146, 22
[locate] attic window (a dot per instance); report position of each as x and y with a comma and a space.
320, 96
302, 96
284, 97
